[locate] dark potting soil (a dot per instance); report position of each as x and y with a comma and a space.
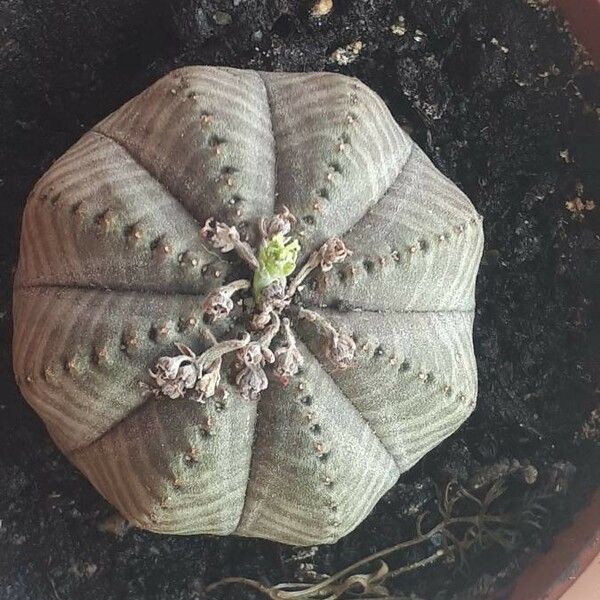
498, 95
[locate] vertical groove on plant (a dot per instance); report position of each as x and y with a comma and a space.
109, 206
204, 128
305, 450
329, 188
186, 482
428, 237
54, 327
415, 377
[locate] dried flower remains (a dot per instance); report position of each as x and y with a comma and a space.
198, 377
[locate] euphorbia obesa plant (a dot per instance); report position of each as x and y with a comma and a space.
244, 304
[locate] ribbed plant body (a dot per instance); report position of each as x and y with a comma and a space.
113, 272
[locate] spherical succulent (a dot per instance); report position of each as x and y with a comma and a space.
244, 304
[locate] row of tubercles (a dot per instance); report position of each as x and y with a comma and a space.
103, 354
227, 174
107, 221
192, 456
420, 247
375, 351
332, 170
161, 250
78, 364
134, 234
319, 447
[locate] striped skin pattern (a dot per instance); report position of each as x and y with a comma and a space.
112, 273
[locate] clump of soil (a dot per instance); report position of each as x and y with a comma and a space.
498, 95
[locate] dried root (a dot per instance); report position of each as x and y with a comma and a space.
503, 468
464, 521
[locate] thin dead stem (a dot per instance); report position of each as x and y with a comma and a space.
457, 533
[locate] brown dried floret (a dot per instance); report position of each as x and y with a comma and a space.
288, 358
280, 223
340, 347
226, 238
173, 376
218, 304
332, 251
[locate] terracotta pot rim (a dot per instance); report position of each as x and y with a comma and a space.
549, 576
583, 20
575, 551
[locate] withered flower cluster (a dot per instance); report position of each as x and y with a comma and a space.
272, 343
174, 376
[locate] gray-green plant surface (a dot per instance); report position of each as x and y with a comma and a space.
113, 273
